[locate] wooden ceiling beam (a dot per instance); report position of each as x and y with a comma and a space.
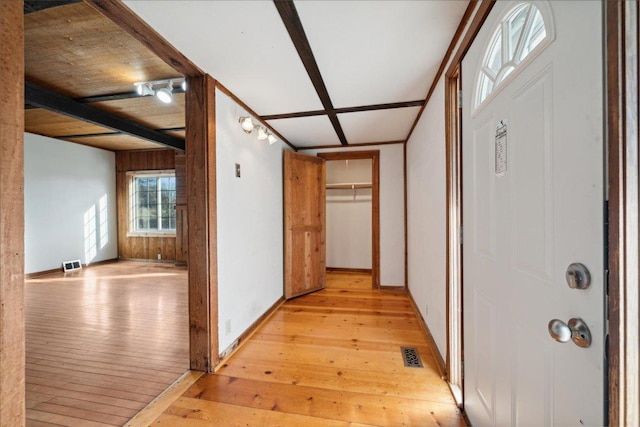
374, 107
111, 97
44, 98
114, 133
291, 20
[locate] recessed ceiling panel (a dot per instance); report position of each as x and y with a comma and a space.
243, 44
76, 51
307, 131
375, 52
49, 123
148, 110
378, 126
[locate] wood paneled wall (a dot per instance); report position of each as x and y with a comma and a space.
182, 224
141, 247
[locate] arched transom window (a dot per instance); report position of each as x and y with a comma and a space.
521, 34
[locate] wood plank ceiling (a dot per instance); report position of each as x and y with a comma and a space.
320, 73
81, 67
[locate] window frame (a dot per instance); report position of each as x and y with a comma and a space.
498, 29
131, 203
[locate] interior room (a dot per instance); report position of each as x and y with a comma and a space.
371, 213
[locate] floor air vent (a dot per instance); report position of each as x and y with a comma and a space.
71, 265
411, 357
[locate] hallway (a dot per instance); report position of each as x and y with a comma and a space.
328, 358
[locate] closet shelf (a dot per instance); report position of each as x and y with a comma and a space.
348, 186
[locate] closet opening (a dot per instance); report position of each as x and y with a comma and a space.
352, 213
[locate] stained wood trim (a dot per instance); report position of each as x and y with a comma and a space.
202, 214
442, 370
374, 155
50, 100
453, 172
153, 410
291, 20
12, 333
405, 191
248, 333
338, 147
346, 110
126, 19
478, 20
454, 41
622, 46
248, 109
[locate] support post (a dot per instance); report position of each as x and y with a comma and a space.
12, 336
201, 212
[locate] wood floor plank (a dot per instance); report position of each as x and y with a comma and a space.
196, 412
317, 402
103, 342
59, 419
428, 387
327, 358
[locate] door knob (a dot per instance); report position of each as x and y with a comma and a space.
576, 330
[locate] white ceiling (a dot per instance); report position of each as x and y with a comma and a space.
368, 52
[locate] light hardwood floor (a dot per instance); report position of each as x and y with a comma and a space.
330, 358
103, 342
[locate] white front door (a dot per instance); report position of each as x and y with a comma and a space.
529, 211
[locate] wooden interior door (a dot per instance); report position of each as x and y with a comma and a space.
304, 224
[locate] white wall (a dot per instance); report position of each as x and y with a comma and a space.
250, 224
349, 213
426, 194
70, 203
391, 210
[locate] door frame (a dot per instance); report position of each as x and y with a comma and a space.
622, 82
374, 155
454, 227
622, 44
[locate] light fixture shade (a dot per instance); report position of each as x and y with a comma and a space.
262, 133
272, 139
165, 94
247, 124
184, 85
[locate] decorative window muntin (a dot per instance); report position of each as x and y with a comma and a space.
522, 34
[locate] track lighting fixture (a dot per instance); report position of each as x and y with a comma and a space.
247, 124
263, 133
144, 89
162, 89
165, 94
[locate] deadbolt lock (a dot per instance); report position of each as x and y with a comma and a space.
578, 276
